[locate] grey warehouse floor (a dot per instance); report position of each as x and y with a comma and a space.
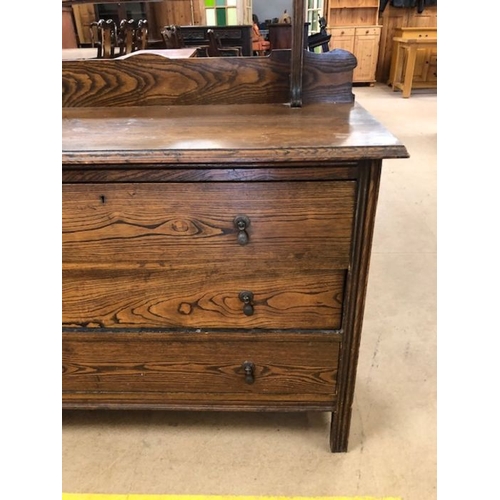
392, 447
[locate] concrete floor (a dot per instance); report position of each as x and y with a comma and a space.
393, 434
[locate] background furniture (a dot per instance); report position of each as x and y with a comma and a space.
104, 36
85, 53
260, 46
216, 49
393, 18
183, 53
172, 37
280, 36
69, 36
141, 35
354, 27
229, 36
320, 39
126, 36
414, 59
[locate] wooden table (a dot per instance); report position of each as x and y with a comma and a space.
404, 67
91, 53
81, 53
170, 53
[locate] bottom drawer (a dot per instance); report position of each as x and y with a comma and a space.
188, 370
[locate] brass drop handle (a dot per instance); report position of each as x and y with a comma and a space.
247, 298
242, 222
248, 368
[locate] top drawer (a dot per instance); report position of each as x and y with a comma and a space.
342, 32
305, 223
367, 30
416, 32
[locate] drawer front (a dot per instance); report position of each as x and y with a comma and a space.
290, 223
203, 298
151, 368
416, 33
365, 30
342, 32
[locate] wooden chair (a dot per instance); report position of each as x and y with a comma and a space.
215, 48
126, 34
320, 39
141, 35
260, 46
103, 35
172, 37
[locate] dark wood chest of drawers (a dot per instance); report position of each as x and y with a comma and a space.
216, 239
218, 262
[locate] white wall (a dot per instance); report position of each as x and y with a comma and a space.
269, 9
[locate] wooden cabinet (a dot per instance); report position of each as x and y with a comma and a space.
363, 42
280, 36
342, 38
354, 27
208, 265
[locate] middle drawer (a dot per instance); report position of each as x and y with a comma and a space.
205, 298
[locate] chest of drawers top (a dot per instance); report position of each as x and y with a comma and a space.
218, 135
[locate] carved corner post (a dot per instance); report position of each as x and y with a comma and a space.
366, 204
298, 20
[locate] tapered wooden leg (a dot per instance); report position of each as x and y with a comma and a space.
339, 432
409, 71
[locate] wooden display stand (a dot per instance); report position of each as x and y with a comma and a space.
217, 219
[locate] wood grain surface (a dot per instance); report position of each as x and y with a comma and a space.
256, 136
207, 297
152, 80
149, 79
192, 224
300, 366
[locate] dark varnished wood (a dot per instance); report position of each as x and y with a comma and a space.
153, 80
178, 366
150, 80
327, 76
159, 157
193, 224
202, 298
356, 292
256, 135
158, 173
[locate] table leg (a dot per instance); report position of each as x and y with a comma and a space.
395, 75
410, 70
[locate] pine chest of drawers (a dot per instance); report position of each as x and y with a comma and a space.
209, 267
